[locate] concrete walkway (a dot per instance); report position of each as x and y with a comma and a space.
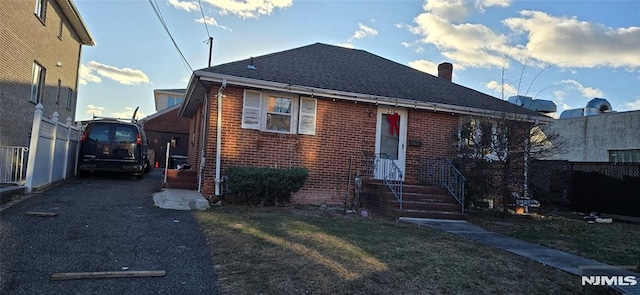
179, 199
570, 263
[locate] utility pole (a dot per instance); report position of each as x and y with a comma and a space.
210, 49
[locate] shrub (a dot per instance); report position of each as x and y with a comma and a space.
265, 185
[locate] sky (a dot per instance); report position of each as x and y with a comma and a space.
565, 51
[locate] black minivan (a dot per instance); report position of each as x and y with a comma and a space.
115, 146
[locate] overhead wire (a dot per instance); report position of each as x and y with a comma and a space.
204, 19
164, 25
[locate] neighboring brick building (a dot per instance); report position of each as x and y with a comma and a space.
165, 127
40, 46
322, 107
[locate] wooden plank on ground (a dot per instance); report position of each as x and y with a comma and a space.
42, 214
107, 275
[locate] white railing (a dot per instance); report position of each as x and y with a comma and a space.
13, 164
53, 150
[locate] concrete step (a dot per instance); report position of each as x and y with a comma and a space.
427, 206
430, 214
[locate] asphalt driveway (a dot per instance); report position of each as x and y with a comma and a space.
103, 224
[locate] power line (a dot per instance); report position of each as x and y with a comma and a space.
164, 25
204, 19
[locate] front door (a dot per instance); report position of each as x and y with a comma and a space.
391, 139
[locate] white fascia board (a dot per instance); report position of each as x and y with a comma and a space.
193, 83
358, 97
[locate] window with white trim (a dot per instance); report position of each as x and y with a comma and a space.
41, 9
281, 113
37, 83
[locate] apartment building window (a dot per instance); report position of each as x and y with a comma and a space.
624, 156
58, 91
41, 10
60, 27
69, 98
171, 101
37, 83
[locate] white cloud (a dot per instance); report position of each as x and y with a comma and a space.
466, 44
588, 92
560, 95
211, 21
187, 6
634, 105
86, 76
364, 31
249, 8
425, 66
127, 113
496, 86
185, 79
482, 4
126, 76
94, 110
565, 42
346, 45
405, 44
574, 43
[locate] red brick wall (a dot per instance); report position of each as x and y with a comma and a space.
343, 130
168, 122
435, 131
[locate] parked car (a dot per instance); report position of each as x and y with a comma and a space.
113, 145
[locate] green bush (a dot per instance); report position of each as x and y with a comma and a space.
265, 185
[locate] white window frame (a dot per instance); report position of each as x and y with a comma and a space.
292, 114
41, 10
255, 113
37, 82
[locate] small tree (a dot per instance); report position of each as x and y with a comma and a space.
504, 146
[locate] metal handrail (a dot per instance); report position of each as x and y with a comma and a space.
453, 180
13, 164
386, 170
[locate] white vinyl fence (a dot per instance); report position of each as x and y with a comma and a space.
13, 163
53, 150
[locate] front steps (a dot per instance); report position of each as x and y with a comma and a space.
418, 201
181, 179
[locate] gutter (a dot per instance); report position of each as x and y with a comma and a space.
219, 137
358, 97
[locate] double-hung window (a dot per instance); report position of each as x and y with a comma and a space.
41, 9
37, 83
281, 113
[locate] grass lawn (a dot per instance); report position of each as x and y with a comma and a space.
315, 250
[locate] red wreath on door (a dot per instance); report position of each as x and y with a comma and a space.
394, 122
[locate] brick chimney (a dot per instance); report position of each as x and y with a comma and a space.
445, 71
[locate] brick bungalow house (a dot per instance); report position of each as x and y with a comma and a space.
319, 106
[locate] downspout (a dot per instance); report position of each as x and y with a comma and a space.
219, 137
205, 118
